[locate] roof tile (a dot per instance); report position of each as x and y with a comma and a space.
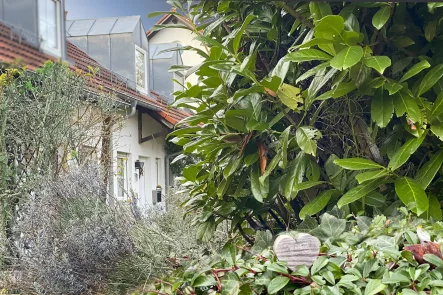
12, 47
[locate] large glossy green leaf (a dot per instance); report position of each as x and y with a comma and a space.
274, 162
277, 284
434, 209
307, 139
232, 166
369, 175
319, 10
378, 63
206, 230
190, 172
307, 185
382, 108
259, 191
307, 55
295, 175
405, 151
239, 34
358, 192
427, 173
437, 108
405, 104
315, 42
317, 204
409, 191
402, 41
317, 83
430, 30
374, 286
348, 57
415, 69
430, 79
433, 5
330, 26
342, 89
231, 284
290, 96
381, 17
312, 71
284, 146
437, 126
357, 164
392, 87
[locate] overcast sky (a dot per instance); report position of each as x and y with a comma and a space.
79, 9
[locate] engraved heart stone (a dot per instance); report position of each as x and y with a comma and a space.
298, 249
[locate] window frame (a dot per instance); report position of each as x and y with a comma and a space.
141, 50
125, 158
57, 51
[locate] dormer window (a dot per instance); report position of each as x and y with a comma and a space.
141, 70
49, 28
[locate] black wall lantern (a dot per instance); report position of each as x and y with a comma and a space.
159, 193
139, 166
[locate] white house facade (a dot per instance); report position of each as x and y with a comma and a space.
36, 30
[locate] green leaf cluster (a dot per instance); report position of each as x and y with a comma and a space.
359, 255
303, 106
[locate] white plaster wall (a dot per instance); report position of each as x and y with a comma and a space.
125, 141
184, 37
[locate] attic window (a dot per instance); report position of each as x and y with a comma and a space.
141, 69
49, 25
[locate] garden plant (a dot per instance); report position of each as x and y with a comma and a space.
305, 107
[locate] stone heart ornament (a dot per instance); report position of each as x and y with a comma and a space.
297, 249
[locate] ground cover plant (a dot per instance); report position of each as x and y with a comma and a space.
359, 255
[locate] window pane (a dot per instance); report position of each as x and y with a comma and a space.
48, 22
140, 66
21, 13
121, 176
98, 49
51, 12
102, 26
80, 27
122, 57
161, 78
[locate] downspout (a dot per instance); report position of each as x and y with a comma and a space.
133, 109
168, 157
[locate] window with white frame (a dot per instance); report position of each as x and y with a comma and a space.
179, 81
122, 174
49, 25
141, 69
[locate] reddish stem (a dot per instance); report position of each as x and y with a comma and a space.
219, 285
295, 279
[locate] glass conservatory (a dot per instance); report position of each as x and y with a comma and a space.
117, 43
160, 61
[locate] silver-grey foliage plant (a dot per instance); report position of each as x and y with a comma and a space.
69, 240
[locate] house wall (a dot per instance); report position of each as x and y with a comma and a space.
125, 141
184, 37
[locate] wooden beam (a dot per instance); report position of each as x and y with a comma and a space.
153, 136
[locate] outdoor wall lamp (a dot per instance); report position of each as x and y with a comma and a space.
139, 166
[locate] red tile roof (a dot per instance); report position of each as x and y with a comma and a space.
12, 47
165, 17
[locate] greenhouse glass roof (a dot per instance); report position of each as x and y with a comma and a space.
101, 26
155, 50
